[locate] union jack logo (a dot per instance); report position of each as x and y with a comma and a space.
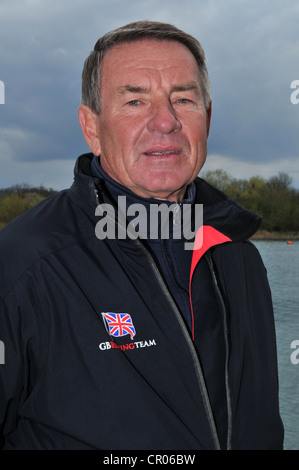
119, 324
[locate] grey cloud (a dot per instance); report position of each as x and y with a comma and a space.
252, 50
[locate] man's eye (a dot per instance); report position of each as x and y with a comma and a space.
134, 102
183, 100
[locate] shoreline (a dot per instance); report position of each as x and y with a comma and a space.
259, 235
283, 236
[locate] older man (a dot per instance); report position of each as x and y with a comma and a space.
135, 342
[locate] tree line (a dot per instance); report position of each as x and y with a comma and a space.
17, 199
274, 199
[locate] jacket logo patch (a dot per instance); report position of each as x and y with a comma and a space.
119, 324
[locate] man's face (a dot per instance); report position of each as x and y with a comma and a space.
153, 126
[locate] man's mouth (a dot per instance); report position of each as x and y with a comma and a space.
160, 153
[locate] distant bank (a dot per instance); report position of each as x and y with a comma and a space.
266, 235
259, 235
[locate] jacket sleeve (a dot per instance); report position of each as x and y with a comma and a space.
11, 369
18, 370
253, 354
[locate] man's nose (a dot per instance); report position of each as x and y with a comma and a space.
163, 119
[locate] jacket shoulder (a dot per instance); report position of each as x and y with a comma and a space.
35, 234
241, 269
243, 252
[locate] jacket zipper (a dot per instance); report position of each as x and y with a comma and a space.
227, 386
199, 373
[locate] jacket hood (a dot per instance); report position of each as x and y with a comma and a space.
224, 214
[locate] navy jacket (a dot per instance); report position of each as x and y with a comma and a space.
69, 383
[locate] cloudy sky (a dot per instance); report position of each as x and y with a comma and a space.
252, 48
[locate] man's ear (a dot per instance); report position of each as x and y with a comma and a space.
88, 123
209, 115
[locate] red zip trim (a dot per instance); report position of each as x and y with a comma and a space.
205, 238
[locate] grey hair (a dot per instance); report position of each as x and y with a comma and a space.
91, 74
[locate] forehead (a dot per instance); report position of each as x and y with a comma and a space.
149, 56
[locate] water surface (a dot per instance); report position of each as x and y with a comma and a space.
282, 263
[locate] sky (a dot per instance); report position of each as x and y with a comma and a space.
252, 49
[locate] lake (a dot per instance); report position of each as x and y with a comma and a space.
282, 263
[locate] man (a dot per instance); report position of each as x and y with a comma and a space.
126, 342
